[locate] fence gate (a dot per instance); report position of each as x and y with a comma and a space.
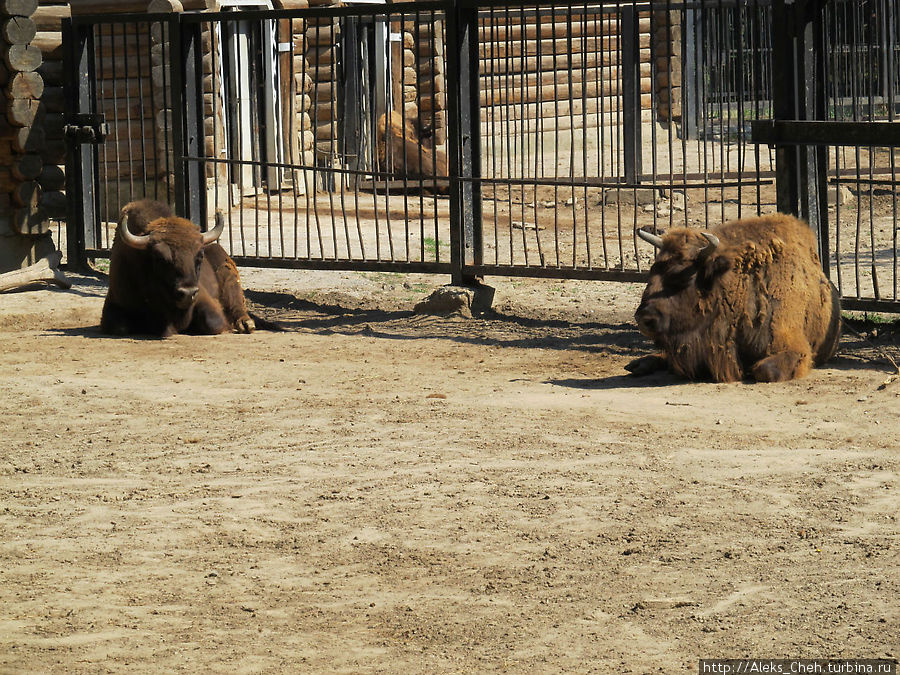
837, 139
303, 126
494, 138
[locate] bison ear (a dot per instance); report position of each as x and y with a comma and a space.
710, 269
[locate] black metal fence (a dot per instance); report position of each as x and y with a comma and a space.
495, 138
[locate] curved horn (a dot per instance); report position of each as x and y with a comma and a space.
213, 234
712, 245
138, 241
650, 238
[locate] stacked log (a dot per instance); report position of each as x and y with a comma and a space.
321, 45
550, 68
404, 75
428, 36
48, 38
667, 53
296, 85
22, 138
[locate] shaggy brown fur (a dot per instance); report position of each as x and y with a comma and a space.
175, 285
758, 306
406, 154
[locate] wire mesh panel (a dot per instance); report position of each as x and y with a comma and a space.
600, 118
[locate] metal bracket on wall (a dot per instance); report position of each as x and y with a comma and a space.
86, 128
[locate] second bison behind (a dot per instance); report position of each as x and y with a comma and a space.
748, 299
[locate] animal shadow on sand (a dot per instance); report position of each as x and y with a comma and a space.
623, 381
95, 332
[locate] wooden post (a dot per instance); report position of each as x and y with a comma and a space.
45, 270
21, 141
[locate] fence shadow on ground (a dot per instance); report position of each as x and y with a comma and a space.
867, 344
490, 329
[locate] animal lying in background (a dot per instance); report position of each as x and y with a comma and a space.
747, 299
166, 277
403, 152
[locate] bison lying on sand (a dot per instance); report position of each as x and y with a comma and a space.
166, 277
745, 300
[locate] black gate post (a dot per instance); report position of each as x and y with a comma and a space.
464, 139
630, 58
82, 157
692, 63
799, 94
187, 119
349, 105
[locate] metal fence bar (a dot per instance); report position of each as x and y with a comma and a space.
629, 56
191, 144
464, 125
81, 167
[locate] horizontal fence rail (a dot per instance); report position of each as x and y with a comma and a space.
480, 138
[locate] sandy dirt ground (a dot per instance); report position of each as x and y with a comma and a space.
372, 491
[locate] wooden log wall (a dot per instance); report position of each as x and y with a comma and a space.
320, 42
416, 77
137, 104
131, 164
667, 53
550, 67
428, 36
23, 140
537, 66
296, 81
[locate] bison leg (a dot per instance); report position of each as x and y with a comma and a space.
114, 320
782, 366
208, 317
231, 295
647, 364
119, 320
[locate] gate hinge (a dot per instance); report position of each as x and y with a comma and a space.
87, 128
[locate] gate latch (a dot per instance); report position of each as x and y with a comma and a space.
87, 128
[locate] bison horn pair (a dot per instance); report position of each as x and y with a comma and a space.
142, 241
657, 241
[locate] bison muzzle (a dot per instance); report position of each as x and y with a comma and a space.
167, 277
747, 299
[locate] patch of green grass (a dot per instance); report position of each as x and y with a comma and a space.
101, 265
380, 277
431, 247
870, 318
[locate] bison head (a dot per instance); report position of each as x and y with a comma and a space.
682, 276
173, 249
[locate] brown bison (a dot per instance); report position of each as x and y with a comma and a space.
746, 300
402, 151
167, 277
